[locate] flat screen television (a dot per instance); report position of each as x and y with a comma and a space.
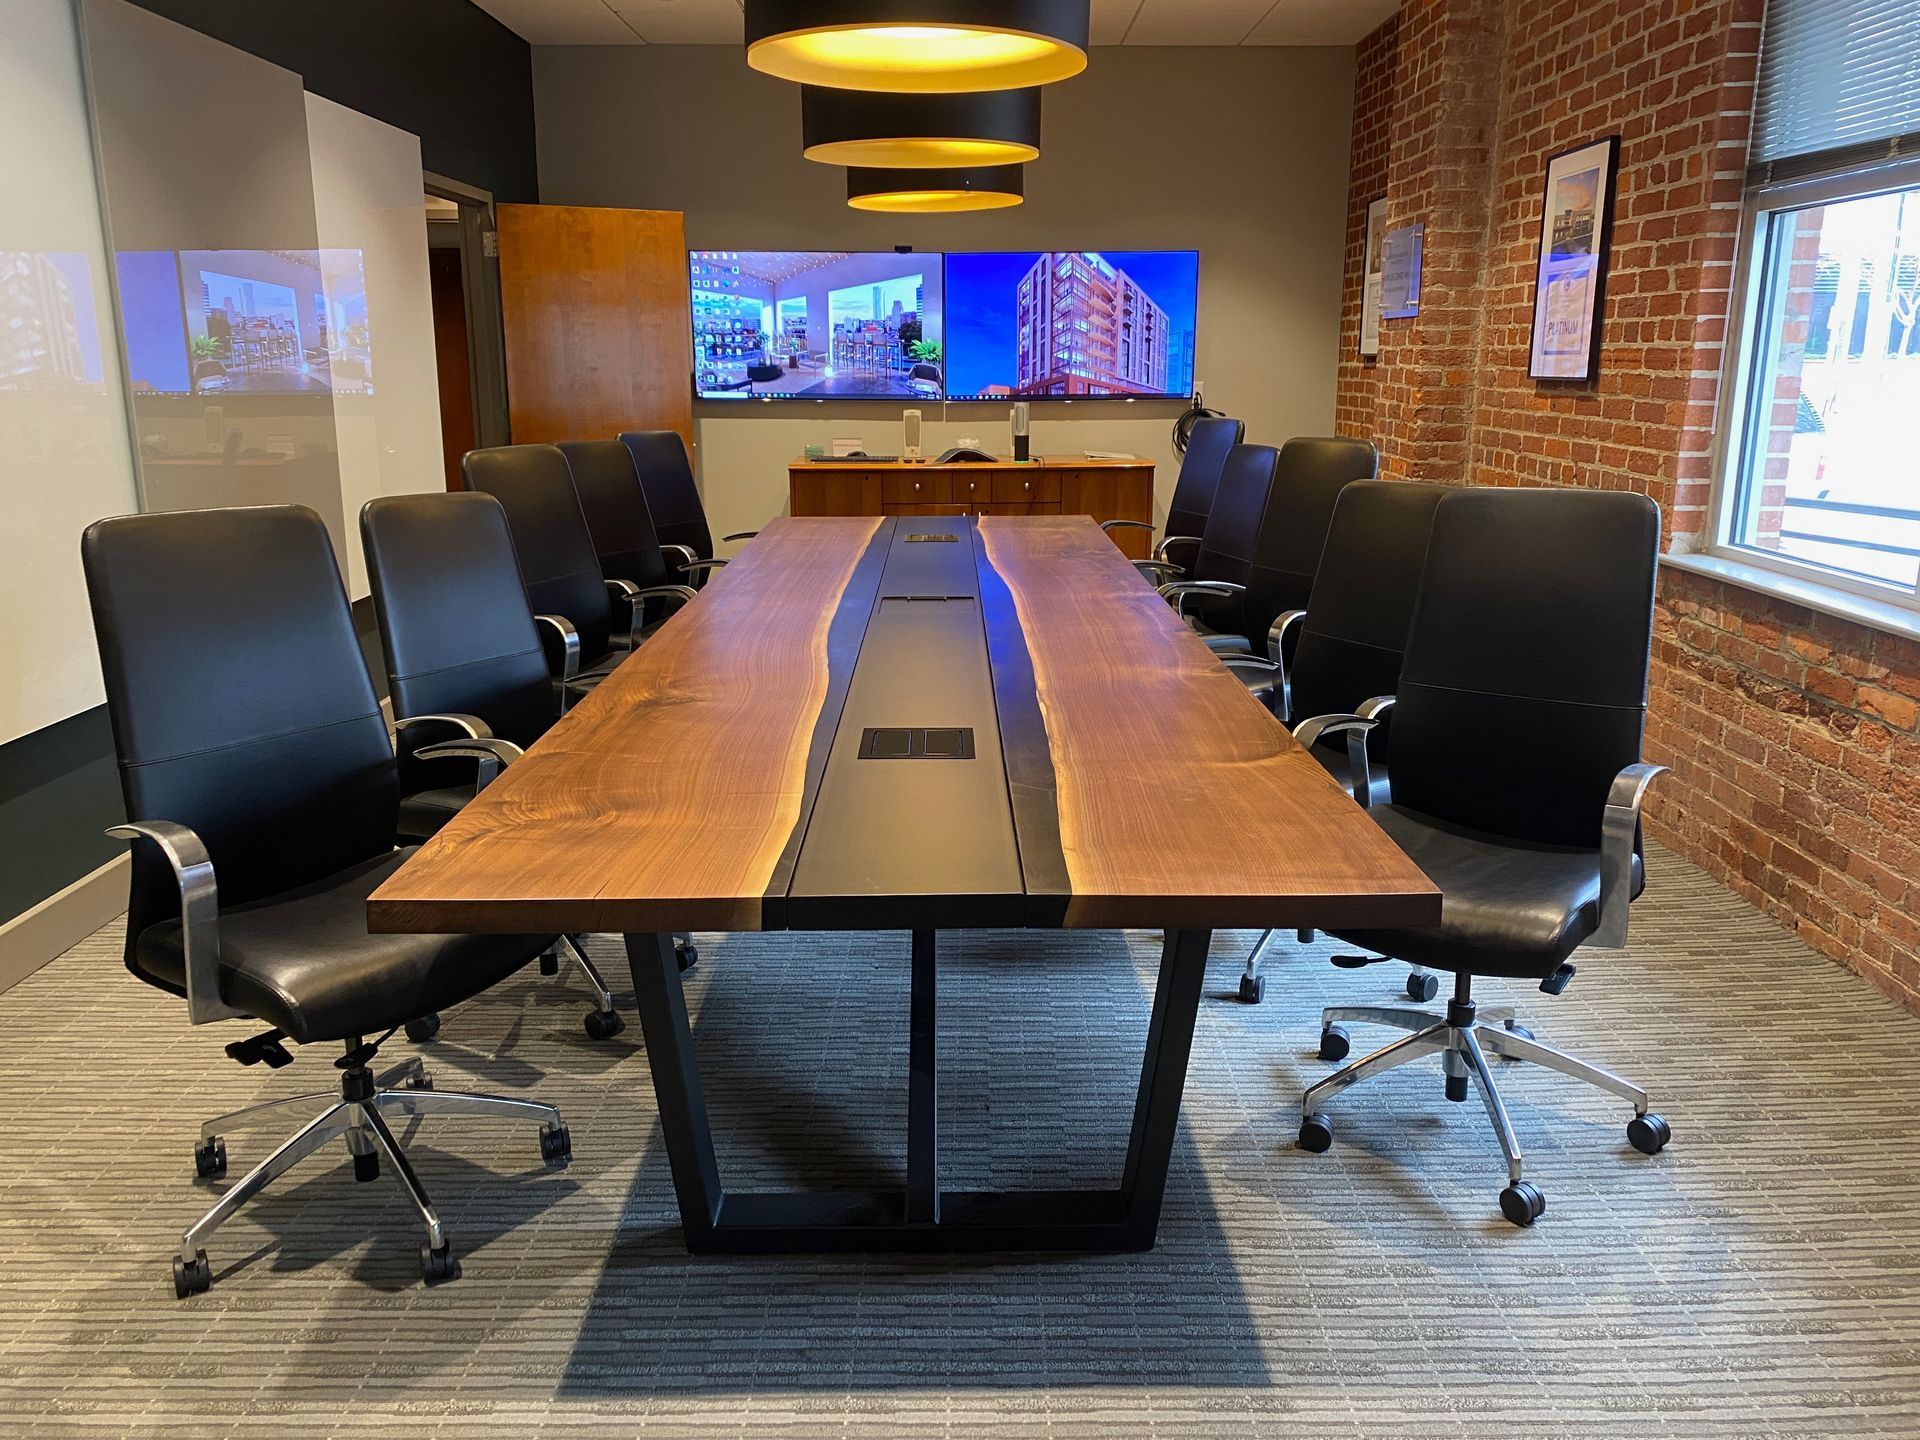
817, 325
1077, 324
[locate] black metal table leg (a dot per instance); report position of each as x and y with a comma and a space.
923, 1090
921, 1216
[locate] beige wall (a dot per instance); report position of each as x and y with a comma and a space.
1238, 153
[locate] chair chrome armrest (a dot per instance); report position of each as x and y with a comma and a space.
1166, 570
493, 755
739, 535
619, 593
567, 661
1277, 653
471, 726
683, 593
1619, 829
693, 567
1252, 662
1376, 707
1111, 525
1178, 591
1356, 728
685, 552
1160, 550
199, 913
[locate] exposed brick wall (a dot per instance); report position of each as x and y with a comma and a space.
1373, 113
1793, 737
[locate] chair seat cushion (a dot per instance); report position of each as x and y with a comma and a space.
422, 814
1509, 908
304, 963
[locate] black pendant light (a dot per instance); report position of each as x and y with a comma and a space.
879, 131
936, 192
919, 46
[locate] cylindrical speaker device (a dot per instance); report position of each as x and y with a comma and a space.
911, 450
1021, 414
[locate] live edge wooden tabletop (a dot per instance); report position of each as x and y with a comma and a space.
1117, 775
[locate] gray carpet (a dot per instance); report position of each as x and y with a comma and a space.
1760, 1278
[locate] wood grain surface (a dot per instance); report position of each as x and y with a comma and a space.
1181, 801
665, 799
599, 329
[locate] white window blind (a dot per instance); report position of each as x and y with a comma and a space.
1838, 76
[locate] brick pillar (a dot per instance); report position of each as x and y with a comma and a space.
1446, 100
1796, 313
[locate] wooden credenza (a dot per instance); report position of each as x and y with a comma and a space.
1057, 485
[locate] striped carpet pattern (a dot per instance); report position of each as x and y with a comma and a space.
1761, 1278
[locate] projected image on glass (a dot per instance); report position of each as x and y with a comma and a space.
1073, 324
238, 322
817, 325
49, 329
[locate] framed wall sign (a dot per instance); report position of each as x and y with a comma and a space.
1373, 275
1576, 232
1400, 272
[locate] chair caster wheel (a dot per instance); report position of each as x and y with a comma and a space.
1423, 986
1648, 1133
556, 1145
1316, 1134
192, 1277
210, 1158
419, 1080
1253, 989
424, 1029
605, 1024
438, 1266
549, 964
1335, 1043
1523, 1203
366, 1167
687, 955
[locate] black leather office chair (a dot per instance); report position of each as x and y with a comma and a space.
1517, 783
1287, 551
464, 661
1216, 583
679, 516
1350, 641
622, 526
1207, 446
558, 565
261, 791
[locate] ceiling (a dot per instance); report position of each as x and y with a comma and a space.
1115, 22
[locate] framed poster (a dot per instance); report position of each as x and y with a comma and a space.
1576, 232
1400, 272
1373, 275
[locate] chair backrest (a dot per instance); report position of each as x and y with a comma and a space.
454, 621
1207, 447
666, 475
1233, 527
1525, 685
617, 513
239, 698
1354, 639
558, 565
1312, 474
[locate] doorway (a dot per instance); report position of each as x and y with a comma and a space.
469, 353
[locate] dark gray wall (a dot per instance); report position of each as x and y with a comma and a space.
1241, 154
444, 69
58, 790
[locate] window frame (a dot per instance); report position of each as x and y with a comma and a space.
1745, 366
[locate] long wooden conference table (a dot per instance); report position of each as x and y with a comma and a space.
916, 724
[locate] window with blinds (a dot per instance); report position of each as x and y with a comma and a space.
1839, 85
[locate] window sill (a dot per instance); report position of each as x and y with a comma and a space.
1879, 615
